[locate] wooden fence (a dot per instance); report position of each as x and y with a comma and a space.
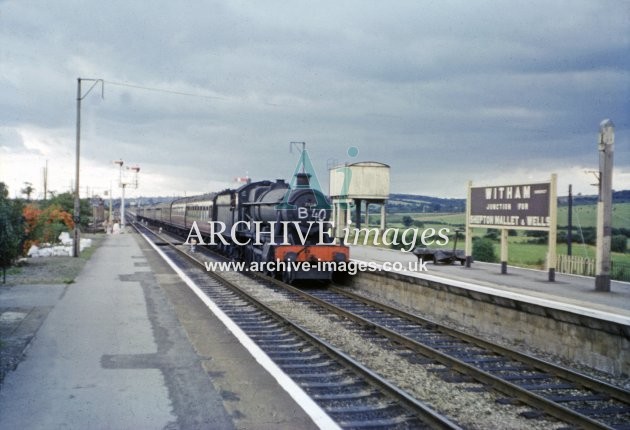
575, 265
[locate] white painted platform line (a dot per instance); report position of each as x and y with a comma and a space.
567, 307
312, 409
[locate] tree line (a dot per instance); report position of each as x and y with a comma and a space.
24, 223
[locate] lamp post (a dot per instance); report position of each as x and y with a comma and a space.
77, 202
606, 147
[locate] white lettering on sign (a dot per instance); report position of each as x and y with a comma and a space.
508, 193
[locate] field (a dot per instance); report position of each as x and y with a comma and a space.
520, 249
584, 216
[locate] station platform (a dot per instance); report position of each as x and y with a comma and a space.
566, 319
569, 293
128, 345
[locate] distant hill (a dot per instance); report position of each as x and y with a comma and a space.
414, 203
398, 203
618, 197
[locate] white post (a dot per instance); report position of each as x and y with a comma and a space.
468, 244
604, 205
504, 250
553, 227
383, 215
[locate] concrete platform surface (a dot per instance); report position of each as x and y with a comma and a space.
571, 290
113, 353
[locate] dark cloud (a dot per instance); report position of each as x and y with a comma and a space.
442, 91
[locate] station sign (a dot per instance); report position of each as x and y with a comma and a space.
524, 206
514, 207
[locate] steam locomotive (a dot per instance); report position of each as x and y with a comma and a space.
283, 229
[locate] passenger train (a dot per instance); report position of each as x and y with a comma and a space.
285, 228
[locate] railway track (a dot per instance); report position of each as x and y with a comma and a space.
564, 394
548, 389
352, 395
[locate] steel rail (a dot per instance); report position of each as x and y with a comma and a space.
527, 397
409, 403
558, 371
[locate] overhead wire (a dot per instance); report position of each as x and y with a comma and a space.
163, 90
181, 93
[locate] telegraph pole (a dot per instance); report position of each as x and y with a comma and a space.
604, 206
570, 221
77, 201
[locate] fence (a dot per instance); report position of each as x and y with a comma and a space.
620, 271
576, 265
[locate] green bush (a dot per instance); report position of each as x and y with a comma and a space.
12, 230
619, 243
483, 250
407, 221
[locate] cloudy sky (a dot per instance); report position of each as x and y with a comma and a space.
199, 92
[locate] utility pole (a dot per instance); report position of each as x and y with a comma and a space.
604, 206
77, 200
570, 221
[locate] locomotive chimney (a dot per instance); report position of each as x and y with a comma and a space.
303, 179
